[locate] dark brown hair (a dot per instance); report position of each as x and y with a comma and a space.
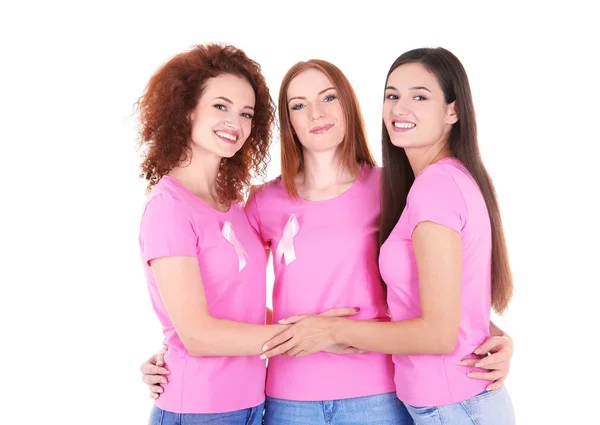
398, 177
173, 92
355, 149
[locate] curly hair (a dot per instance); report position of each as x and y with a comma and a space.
173, 92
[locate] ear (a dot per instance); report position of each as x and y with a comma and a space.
452, 113
192, 114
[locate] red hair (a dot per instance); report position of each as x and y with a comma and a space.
355, 149
173, 92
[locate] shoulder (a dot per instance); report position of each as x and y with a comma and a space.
267, 189
371, 176
164, 197
435, 178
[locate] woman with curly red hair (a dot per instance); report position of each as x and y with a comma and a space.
206, 118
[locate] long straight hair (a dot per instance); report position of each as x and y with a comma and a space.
398, 177
355, 149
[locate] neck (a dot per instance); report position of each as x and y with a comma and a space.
421, 157
199, 174
322, 170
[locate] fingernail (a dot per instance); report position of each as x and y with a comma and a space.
263, 357
462, 363
281, 321
488, 388
357, 309
154, 395
470, 374
163, 381
479, 351
167, 372
265, 348
478, 365
160, 390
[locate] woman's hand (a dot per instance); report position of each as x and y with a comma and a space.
497, 352
309, 334
154, 373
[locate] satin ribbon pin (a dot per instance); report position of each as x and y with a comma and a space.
229, 234
285, 248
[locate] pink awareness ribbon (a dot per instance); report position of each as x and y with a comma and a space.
229, 234
285, 248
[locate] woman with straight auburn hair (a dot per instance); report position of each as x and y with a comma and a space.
320, 220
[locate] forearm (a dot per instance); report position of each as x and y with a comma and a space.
496, 331
415, 336
229, 338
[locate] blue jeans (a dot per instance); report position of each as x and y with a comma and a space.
252, 416
381, 409
488, 408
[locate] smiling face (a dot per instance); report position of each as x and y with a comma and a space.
415, 112
222, 118
315, 111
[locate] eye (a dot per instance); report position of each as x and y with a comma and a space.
298, 106
220, 107
392, 97
330, 98
247, 115
418, 97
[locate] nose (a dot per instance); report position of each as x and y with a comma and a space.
232, 121
400, 107
316, 111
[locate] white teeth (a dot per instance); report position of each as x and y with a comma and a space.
226, 135
404, 125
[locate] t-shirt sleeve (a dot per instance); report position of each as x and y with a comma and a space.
436, 197
166, 230
252, 213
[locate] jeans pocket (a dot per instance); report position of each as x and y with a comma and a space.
156, 416
424, 415
256, 416
490, 408
484, 395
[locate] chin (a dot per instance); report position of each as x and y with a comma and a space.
400, 143
229, 153
325, 146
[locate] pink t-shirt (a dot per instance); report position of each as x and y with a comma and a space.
324, 256
443, 193
232, 261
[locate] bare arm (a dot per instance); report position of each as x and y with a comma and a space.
180, 285
438, 254
496, 331
447, 335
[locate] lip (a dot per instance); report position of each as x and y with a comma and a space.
402, 130
320, 129
232, 133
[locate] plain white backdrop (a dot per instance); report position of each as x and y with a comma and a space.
76, 317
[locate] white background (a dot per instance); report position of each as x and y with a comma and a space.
76, 317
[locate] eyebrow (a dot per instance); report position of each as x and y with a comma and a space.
230, 102
302, 97
410, 88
